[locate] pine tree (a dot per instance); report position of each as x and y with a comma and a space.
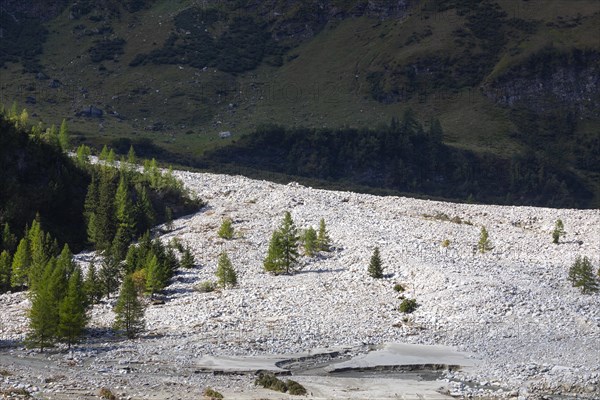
120, 243
131, 259
72, 311
310, 242
5, 271
9, 241
226, 275
226, 229
21, 263
375, 266
90, 208
323, 240
559, 230
484, 242
63, 136
111, 158
145, 213
129, 310
274, 260
582, 276
187, 259
91, 285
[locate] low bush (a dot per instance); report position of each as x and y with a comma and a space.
408, 306
446, 243
399, 288
107, 394
295, 388
270, 381
205, 287
212, 394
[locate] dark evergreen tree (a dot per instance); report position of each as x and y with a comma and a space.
91, 285
91, 209
105, 220
144, 210
129, 310
5, 271
375, 266
109, 275
72, 310
289, 243
9, 241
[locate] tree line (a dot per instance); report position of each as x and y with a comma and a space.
408, 157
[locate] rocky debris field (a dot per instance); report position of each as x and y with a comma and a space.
512, 309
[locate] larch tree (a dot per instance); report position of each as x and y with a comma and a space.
20, 264
310, 242
581, 275
91, 285
5, 271
484, 243
273, 262
44, 311
187, 259
323, 239
226, 275
72, 311
129, 310
63, 136
375, 265
226, 229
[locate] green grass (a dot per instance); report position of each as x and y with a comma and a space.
323, 85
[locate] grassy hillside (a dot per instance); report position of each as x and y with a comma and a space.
177, 75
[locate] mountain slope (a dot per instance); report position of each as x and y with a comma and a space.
503, 77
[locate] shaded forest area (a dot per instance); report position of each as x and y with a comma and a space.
406, 157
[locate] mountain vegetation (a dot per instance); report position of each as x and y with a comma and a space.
514, 84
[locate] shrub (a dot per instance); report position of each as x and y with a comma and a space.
559, 230
270, 381
408, 306
295, 388
446, 243
399, 288
205, 287
212, 394
107, 394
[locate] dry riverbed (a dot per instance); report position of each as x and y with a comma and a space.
510, 317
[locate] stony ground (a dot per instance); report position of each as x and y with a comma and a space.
511, 308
